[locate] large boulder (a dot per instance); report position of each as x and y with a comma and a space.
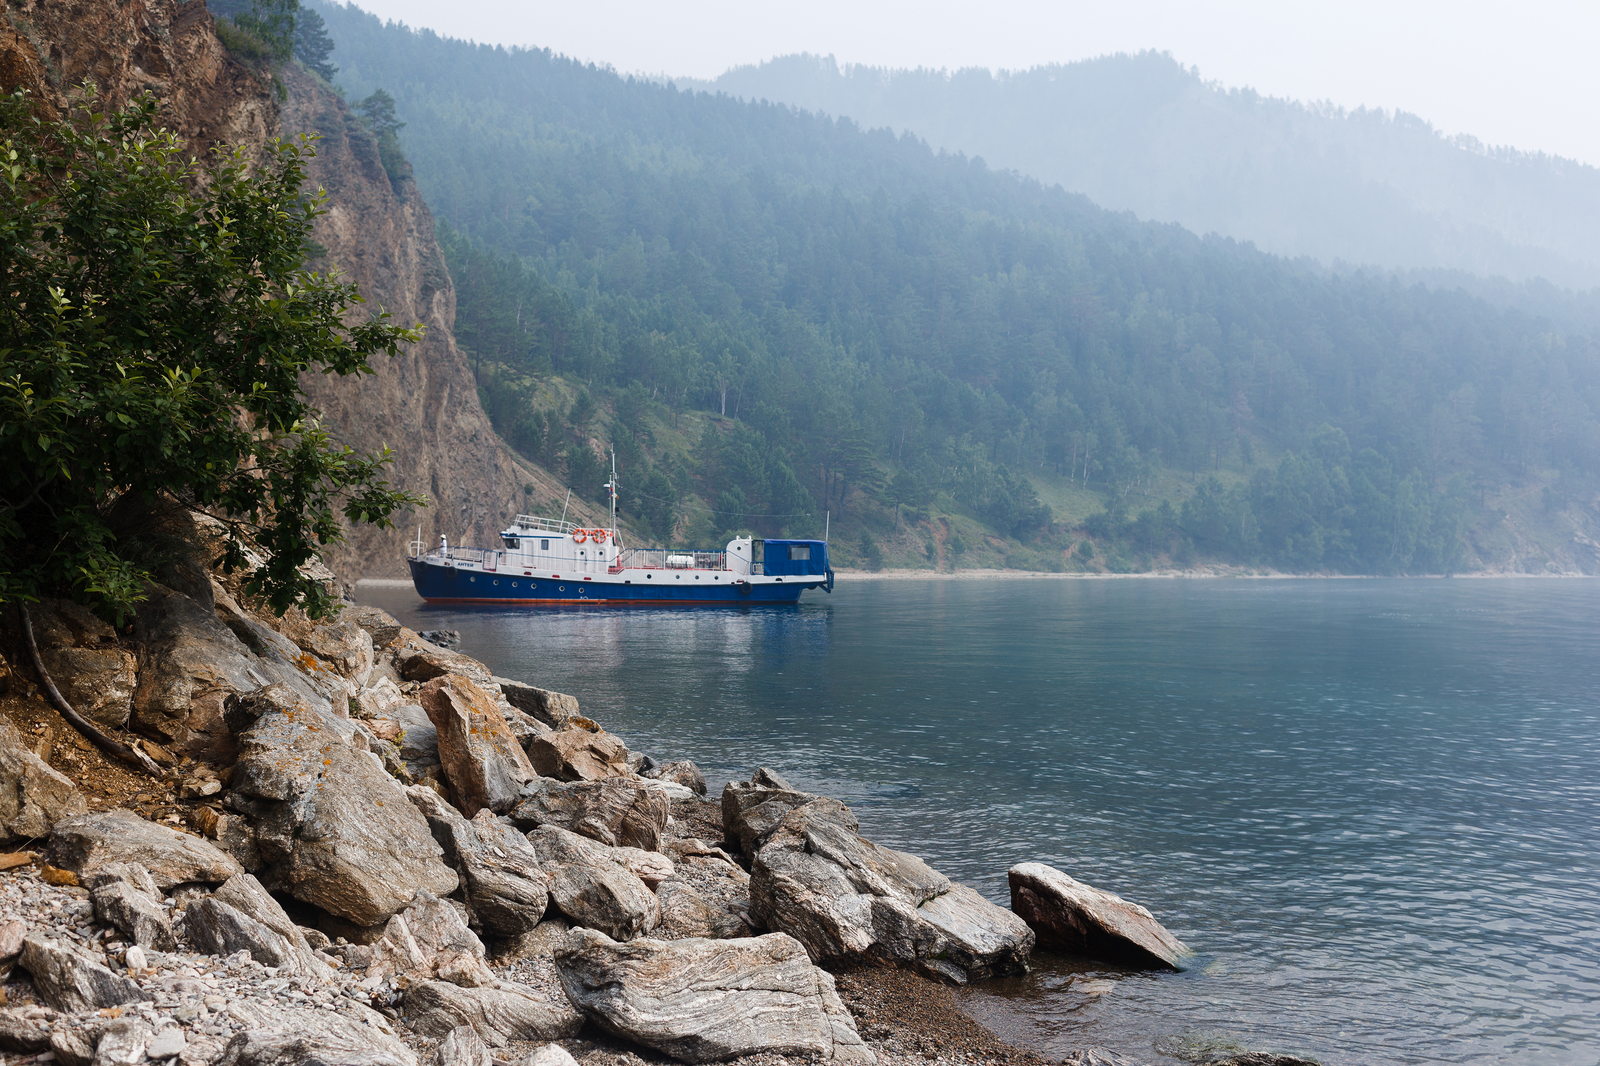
554, 709
1072, 917
505, 887
845, 897
683, 772
417, 660
430, 940
85, 843
381, 626
751, 811
195, 657
332, 828
705, 1000
555, 846
69, 982
274, 1036
577, 753
481, 759
86, 662
595, 890
33, 795
686, 911
502, 1014
126, 898
242, 916
617, 811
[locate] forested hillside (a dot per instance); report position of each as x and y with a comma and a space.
771, 314
1145, 134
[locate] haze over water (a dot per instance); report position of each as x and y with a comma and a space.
1369, 805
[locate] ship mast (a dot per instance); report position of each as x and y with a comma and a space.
611, 490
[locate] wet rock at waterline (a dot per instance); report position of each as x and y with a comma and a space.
845, 897
553, 709
682, 772
705, 1000
1075, 918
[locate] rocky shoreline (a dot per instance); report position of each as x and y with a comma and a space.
364, 848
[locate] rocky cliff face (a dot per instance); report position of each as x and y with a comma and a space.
378, 232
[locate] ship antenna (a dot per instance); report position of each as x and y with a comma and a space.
564, 507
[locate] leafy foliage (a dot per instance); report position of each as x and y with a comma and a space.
154, 322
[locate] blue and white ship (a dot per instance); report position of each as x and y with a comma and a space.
553, 561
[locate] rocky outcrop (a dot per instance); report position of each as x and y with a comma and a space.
482, 761
615, 811
682, 772
332, 828
554, 709
707, 1000
1072, 917
307, 1037
430, 940
591, 884
33, 796
126, 897
90, 842
242, 916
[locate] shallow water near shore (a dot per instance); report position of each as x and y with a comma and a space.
1373, 807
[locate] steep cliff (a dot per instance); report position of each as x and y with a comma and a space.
378, 232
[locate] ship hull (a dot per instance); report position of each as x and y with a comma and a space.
449, 584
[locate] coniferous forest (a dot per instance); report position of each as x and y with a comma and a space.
770, 314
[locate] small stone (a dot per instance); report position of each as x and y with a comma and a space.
134, 958
166, 1043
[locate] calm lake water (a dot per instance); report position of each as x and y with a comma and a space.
1371, 806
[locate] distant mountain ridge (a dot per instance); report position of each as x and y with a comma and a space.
1143, 133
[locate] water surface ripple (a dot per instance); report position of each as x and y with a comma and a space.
1369, 805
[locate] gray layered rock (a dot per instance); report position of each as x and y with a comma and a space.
73, 1047
33, 796
1076, 918
247, 895
683, 773
93, 671
751, 811
20, 1036
556, 846
686, 912
166, 1044
133, 910
706, 1000
88, 842
429, 939
279, 1037
616, 811
499, 1015
550, 1055
417, 660
845, 897
505, 887
122, 1043
576, 753
69, 982
463, 1046
332, 828
591, 885
196, 657
481, 759
380, 625
553, 709
217, 928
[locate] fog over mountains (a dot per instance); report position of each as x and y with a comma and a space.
1143, 133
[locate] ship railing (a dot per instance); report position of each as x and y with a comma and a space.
485, 557
544, 525
670, 559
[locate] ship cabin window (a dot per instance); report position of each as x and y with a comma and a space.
800, 551
511, 542
544, 545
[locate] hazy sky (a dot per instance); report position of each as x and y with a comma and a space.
1524, 74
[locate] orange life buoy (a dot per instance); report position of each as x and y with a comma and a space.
599, 535
579, 536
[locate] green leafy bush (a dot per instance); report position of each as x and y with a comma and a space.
155, 318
